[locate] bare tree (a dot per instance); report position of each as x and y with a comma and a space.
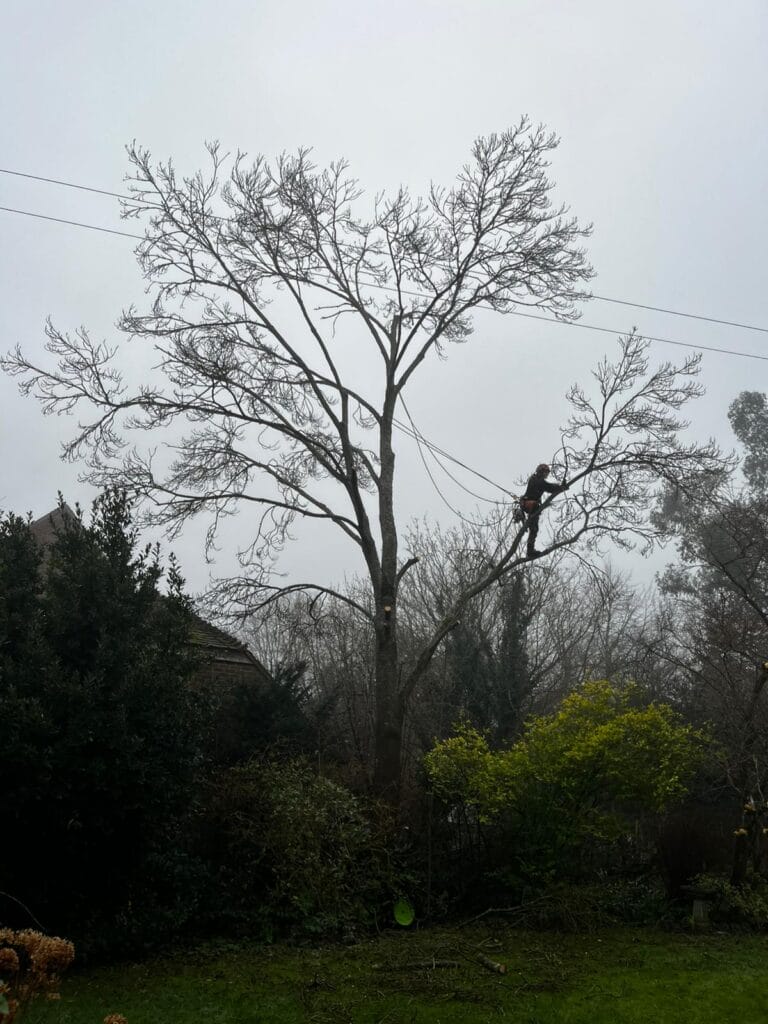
593, 622
335, 644
252, 274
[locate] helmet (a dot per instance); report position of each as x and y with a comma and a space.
542, 468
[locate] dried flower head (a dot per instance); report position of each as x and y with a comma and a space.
32, 964
739, 831
115, 1018
53, 955
9, 960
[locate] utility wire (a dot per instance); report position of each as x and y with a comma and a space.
452, 476
388, 288
588, 327
67, 184
414, 433
600, 298
647, 337
74, 223
417, 436
677, 312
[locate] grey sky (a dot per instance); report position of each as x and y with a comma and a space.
662, 110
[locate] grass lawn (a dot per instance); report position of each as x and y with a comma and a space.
616, 976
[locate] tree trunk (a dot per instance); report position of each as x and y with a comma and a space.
390, 715
390, 707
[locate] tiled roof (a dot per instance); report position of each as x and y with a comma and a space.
44, 528
221, 645
202, 632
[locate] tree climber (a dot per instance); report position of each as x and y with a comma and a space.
531, 500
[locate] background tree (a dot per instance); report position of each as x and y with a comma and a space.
100, 758
483, 671
27, 727
277, 416
716, 619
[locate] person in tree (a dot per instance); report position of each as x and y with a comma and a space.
531, 501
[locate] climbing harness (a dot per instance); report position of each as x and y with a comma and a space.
523, 508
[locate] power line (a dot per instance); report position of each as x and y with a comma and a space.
413, 433
419, 439
677, 312
74, 223
426, 466
416, 435
588, 327
67, 184
647, 337
600, 298
389, 288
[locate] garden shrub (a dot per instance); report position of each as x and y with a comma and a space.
100, 758
294, 852
571, 788
738, 906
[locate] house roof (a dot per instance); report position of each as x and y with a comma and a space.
222, 646
44, 529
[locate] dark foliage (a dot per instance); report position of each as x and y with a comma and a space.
101, 735
270, 714
291, 852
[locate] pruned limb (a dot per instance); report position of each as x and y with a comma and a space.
419, 965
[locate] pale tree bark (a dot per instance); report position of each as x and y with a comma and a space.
252, 271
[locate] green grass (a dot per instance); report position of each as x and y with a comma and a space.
616, 976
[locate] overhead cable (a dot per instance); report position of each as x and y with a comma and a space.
600, 298
383, 287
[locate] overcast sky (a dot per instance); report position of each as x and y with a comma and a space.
661, 107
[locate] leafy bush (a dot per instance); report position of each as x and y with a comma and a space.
575, 780
296, 852
743, 906
638, 901
270, 714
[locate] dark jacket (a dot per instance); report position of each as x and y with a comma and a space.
537, 485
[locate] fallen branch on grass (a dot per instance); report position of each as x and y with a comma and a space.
417, 965
521, 909
491, 965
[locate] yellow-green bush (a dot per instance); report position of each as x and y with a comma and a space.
576, 776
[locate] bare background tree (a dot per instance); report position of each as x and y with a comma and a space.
256, 276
